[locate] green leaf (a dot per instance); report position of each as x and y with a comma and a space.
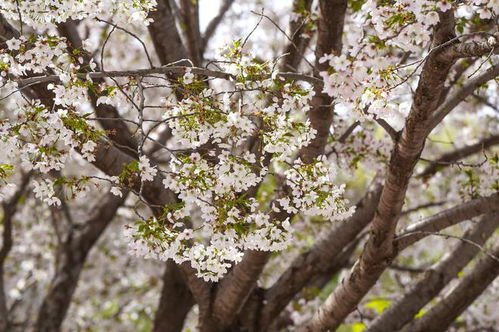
378, 304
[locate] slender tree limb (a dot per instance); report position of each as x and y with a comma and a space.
462, 94
297, 42
410, 269
486, 102
447, 218
420, 207
168, 70
214, 23
190, 13
72, 256
451, 157
161, 141
457, 72
436, 278
348, 132
388, 129
441, 316
9, 209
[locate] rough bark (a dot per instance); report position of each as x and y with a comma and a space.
436, 278
470, 49
172, 311
329, 40
165, 36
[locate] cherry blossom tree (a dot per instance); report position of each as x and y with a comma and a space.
249, 166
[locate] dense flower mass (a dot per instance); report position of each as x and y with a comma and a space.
214, 149
46, 14
215, 182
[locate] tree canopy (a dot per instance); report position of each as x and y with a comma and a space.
234, 165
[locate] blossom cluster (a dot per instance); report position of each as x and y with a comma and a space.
198, 119
215, 178
313, 191
153, 239
287, 134
36, 136
42, 139
46, 14
211, 170
367, 75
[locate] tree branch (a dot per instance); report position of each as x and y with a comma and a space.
164, 34
462, 94
172, 311
379, 249
420, 207
214, 23
330, 31
447, 218
9, 210
7, 31
190, 12
318, 281
297, 42
451, 157
470, 49
168, 70
234, 289
72, 256
440, 316
436, 278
